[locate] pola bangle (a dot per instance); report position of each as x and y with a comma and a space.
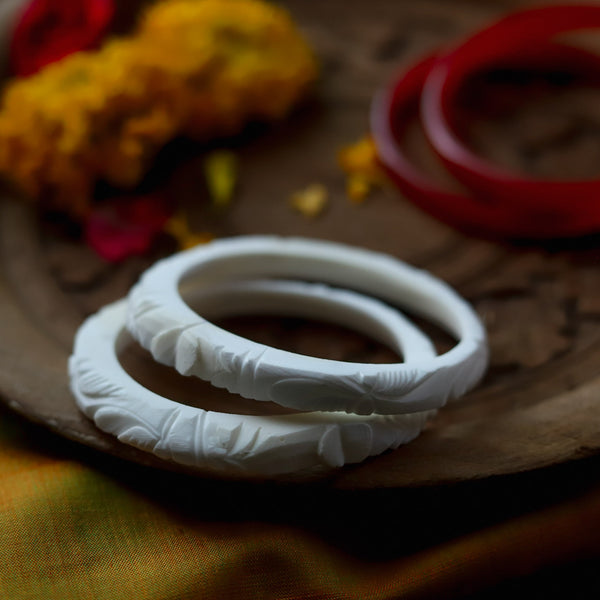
161, 321
392, 110
473, 212
556, 207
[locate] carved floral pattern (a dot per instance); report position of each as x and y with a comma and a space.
236, 444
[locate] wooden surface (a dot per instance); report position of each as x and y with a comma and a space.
539, 403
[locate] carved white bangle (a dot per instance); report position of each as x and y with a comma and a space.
227, 443
301, 299
161, 321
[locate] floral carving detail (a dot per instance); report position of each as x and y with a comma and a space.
251, 445
334, 393
231, 369
92, 382
106, 402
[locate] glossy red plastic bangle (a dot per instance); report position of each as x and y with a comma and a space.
392, 111
559, 207
48, 30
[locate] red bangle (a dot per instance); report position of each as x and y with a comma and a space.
391, 112
48, 30
558, 207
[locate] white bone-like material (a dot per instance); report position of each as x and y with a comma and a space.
163, 323
243, 445
315, 301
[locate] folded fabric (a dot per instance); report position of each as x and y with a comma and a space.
75, 525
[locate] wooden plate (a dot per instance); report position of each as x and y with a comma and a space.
539, 404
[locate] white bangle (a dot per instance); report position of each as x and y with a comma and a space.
229, 443
314, 300
161, 321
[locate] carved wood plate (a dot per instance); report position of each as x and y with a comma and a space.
539, 404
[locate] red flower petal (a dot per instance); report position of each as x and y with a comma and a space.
123, 227
49, 30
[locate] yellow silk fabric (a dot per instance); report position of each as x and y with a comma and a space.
78, 526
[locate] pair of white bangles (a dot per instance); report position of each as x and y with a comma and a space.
348, 411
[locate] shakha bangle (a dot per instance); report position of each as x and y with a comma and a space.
234, 444
555, 208
355, 311
161, 321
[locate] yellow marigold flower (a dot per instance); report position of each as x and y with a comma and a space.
201, 68
250, 62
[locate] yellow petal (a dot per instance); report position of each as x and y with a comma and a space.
220, 169
178, 227
359, 162
358, 187
311, 201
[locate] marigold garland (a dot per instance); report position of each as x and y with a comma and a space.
202, 68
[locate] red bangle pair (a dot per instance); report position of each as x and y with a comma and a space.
498, 203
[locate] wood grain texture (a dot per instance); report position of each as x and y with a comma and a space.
539, 403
